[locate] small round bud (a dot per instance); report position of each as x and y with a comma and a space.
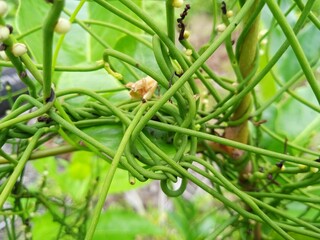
262, 32
314, 170
264, 41
188, 52
29, 235
18, 49
4, 33
3, 8
63, 26
302, 167
229, 14
186, 34
177, 3
235, 84
4, 56
221, 27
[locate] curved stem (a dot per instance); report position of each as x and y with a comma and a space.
196, 65
224, 141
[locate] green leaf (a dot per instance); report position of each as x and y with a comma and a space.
140, 52
122, 224
78, 46
267, 142
49, 167
44, 226
293, 116
288, 65
110, 36
267, 85
24, 23
121, 184
109, 135
80, 166
97, 80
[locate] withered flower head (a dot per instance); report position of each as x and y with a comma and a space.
142, 89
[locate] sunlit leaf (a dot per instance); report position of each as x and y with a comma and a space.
97, 80
122, 224
109, 36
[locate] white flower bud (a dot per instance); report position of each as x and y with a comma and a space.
3, 8
4, 33
188, 52
18, 49
63, 26
4, 56
221, 27
177, 3
229, 14
186, 34
264, 41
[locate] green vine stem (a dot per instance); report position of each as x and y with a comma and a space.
136, 36
108, 179
284, 88
125, 16
235, 144
242, 91
9, 122
170, 20
247, 58
85, 68
48, 30
315, 20
196, 65
42, 153
292, 38
20, 166
60, 41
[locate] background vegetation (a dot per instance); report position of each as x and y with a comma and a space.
231, 132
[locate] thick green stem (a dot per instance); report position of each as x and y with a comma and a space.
170, 20
48, 30
246, 62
